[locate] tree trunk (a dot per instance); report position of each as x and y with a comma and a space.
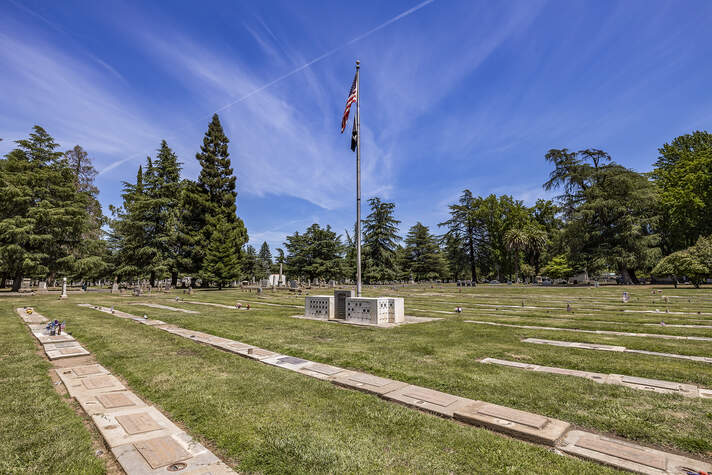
153, 279
3, 281
473, 263
629, 276
16, 282
174, 279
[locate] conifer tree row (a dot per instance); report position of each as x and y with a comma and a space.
170, 227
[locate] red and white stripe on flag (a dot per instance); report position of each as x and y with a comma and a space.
349, 100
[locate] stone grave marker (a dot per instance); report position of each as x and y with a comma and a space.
137, 423
521, 424
161, 451
113, 400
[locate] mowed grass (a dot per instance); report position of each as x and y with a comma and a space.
268, 420
443, 355
39, 431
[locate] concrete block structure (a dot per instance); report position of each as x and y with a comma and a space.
340, 297
319, 306
375, 311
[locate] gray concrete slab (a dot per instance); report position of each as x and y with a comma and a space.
257, 353
29, 315
100, 403
55, 351
89, 385
174, 453
131, 425
626, 455
286, 362
428, 400
520, 424
366, 382
320, 371
45, 339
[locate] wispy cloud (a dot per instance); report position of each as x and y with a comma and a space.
76, 101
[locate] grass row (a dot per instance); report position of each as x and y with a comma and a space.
39, 431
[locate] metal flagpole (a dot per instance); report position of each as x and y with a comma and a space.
358, 181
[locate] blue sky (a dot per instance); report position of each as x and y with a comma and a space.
454, 94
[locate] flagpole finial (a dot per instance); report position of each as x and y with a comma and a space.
357, 63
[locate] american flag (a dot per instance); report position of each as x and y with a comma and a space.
350, 100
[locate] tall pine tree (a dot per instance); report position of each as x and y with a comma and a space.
211, 203
380, 239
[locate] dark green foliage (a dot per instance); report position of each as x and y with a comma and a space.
610, 212
683, 174
422, 257
43, 215
91, 258
318, 253
210, 201
695, 263
249, 262
264, 261
221, 261
380, 241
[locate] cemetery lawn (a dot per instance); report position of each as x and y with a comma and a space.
39, 431
265, 419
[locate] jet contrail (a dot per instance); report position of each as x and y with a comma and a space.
295, 71
327, 54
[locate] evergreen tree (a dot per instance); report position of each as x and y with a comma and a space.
221, 261
211, 200
249, 263
129, 231
264, 260
167, 202
610, 211
423, 257
464, 230
92, 254
380, 239
43, 217
318, 253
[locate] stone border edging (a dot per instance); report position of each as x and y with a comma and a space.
621, 349
645, 384
596, 332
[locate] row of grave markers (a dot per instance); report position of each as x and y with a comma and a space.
519, 424
141, 438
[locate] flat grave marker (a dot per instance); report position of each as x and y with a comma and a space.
137, 423
521, 424
161, 451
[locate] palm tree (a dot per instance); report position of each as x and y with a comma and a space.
529, 238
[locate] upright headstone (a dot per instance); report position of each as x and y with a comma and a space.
25, 285
43, 287
115, 288
340, 302
64, 289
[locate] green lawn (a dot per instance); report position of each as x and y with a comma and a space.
264, 419
39, 431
